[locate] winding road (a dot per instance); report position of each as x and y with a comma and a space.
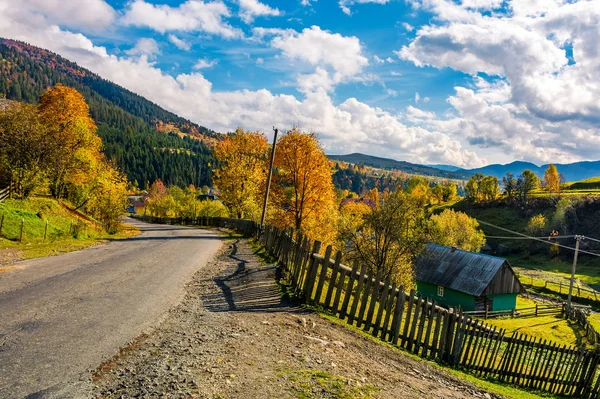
61, 316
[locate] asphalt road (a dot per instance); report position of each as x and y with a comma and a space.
61, 316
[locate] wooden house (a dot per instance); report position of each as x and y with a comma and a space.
137, 206
471, 280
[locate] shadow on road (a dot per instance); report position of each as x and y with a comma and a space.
141, 238
250, 288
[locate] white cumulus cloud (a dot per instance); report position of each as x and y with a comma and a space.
179, 43
346, 4
145, 47
191, 16
204, 63
250, 9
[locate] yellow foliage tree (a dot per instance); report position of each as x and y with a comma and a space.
304, 193
73, 145
456, 229
242, 172
551, 180
388, 238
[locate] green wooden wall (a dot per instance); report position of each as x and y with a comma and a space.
451, 297
504, 301
454, 298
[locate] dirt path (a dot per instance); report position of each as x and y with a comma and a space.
233, 337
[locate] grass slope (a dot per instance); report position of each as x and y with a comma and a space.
587, 184
67, 229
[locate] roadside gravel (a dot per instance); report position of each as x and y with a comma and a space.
234, 337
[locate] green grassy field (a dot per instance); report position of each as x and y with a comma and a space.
67, 230
551, 327
588, 184
34, 213
587, 272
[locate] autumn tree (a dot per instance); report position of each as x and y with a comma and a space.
482, 188
489, 188
444, 192
510, 186
526, 183
23, 141
160, 202
390, 237
242, 172
303, 192
551, 181
352, 214
456, 229
106, 197
73, 145
473, 187
449, 193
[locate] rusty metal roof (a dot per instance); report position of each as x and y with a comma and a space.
463, 271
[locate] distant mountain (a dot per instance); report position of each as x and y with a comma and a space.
403, 166
449, 168
498, 170
572, 172
145, 140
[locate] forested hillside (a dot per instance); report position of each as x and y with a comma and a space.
402, 166
127, 123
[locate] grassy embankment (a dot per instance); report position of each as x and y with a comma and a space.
551, 327
67, 230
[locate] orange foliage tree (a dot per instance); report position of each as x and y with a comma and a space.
74, 146
303, 193
241, 175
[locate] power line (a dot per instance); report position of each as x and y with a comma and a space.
535, 239
593, 239
527, 238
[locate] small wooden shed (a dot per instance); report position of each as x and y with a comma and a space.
471, 280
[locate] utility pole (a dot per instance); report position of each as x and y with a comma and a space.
578, 238
264, 212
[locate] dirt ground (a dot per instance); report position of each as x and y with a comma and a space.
234, 337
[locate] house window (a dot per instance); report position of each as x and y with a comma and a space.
440, 291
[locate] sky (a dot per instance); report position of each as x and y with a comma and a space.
465, 83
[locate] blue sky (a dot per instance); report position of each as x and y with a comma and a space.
463, 82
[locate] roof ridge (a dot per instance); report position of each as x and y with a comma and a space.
468, 252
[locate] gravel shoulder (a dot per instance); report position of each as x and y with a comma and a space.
233, 336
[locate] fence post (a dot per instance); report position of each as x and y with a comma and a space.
22, 226
1, 225
487, 308
317, 247
45, 230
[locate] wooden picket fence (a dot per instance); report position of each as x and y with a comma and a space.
419, 326
580, 315
4, 193
560, 288
534, 311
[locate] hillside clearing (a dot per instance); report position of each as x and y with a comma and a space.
67, 230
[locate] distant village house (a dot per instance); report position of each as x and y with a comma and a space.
471, 280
